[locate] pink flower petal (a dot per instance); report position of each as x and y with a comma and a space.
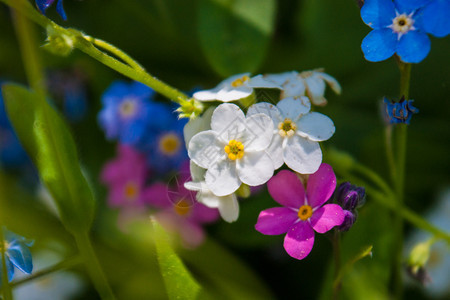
327, 217
157, 195
276, 220
299, 240
287, 189
192, 235
202, 214
321, 186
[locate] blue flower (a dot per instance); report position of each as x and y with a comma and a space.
436, 17
127, 112
12, 154
17, 253
399, 112
397, 28
44, 4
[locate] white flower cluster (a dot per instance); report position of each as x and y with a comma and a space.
229, 148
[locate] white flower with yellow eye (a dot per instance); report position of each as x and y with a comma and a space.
234, 88
297, 133
233, 151
194, 126
308, 83
228, 205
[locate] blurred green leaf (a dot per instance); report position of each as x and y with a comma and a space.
234, 34
50, 145
179, 282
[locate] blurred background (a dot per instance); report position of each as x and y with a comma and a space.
195, 44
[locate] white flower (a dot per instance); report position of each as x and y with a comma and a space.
296, 134
309, 83
228, 205
234, 88
233, 151
197, 125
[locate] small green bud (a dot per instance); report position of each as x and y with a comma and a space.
243, 191
419, 256
58, 43
190, 108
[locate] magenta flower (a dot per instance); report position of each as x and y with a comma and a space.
125, 177
178, 210
303, 211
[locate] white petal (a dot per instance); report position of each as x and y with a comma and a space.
275, 151
229, 208
315, 86
294, 87
198, 124
332, 82
205, 149
259, 132
207, 95
231, 79
209, 199
302, 156
281, 78
293, 108
268, 109
222, 179
229, 94
255, 168
193, 186
197, 173
260, 82
228, 121
316, 127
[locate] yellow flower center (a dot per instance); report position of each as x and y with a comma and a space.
234, 149
287, 128
169, 144
402, 23
130, 191
182, 208
128, 108
305, 212
240, 81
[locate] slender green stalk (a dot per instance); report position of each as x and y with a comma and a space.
337, 263
390, 152
93, 266
64, 265
399, 183
7, 292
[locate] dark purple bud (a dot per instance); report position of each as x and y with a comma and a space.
420, 274
349, 220
349, 197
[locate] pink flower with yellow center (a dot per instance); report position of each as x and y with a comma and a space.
303, 211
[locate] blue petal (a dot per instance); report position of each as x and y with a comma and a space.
413, 47
44, 4
378, 13
60, 10
379, 44
9, 269
436, 18
409, 5
20, 256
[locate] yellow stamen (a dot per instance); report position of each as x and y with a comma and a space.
234, 149
402, 23
240, 81
287, 128
130, 191
305, 212
169, 144
182, 207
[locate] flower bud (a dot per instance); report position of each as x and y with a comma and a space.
349, 197
58, 43
349, 220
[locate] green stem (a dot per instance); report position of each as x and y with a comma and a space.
7, 292
390, 152
93, 266
64, 265
337, 263
85, 44
399, 183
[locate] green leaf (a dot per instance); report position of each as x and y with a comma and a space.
179, 282
234, 34
50, 145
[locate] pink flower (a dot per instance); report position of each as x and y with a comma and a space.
179, 211
303, 211
125, 177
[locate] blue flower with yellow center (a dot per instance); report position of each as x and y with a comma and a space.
17, 253
43, 5
398, 28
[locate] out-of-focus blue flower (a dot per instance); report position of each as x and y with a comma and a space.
127, 112
17, 253
12, 155
397, 28
44, 4
400, 112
